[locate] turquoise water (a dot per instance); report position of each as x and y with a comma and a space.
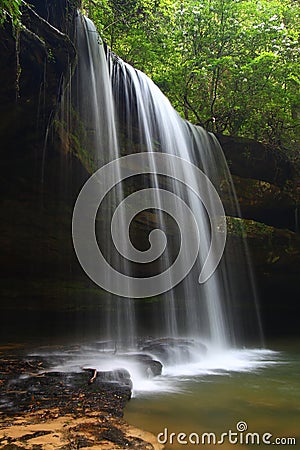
264, 393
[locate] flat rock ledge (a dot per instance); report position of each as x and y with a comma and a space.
42, 410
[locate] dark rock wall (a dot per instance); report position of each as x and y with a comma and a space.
275, 254
39, 274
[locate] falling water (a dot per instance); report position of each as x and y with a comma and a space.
119, 111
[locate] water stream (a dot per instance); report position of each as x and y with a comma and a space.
192, 332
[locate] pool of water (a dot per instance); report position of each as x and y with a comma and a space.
261, 389
242, 397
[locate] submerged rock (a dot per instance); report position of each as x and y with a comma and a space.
148, 366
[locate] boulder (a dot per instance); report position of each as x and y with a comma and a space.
171, 350
119, 376
148, 366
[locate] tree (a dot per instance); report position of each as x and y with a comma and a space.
10, 9
228, 65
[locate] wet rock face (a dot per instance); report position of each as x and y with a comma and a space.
33, 61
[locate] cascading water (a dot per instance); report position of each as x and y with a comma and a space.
121, 112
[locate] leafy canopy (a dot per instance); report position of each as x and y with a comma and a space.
230, 65
10, 9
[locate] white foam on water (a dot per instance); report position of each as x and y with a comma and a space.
222, 363
217, 362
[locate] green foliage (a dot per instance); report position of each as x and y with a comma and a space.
229, 65
10, 10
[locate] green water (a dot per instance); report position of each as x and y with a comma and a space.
267, 399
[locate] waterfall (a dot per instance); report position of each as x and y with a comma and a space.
118, 111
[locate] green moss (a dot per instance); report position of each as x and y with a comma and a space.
248, 228
74, 139
42, 294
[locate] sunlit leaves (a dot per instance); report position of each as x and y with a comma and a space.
231, 65
10, 10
